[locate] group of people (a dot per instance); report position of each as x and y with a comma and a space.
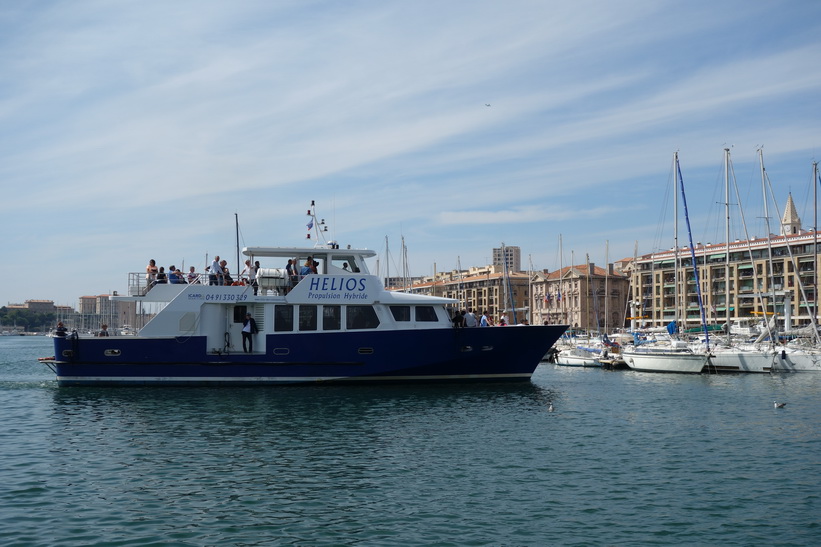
157, 276
218, 274
467, 318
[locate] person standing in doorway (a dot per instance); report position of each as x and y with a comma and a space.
249, 329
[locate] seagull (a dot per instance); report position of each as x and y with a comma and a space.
550, 407
779, 405
486, 104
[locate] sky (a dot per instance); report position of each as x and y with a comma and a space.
139, 130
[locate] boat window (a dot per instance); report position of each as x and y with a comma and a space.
426, 313
331, 317
307, 317
361, 317
239, 314
283, 318
344, 263
401, 313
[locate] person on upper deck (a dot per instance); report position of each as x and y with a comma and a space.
193, 278
215, 274
151, 273
61, 329
103, 330
174, 275
161, 277
307, 269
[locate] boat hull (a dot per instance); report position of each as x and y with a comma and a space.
434, 355
662, 361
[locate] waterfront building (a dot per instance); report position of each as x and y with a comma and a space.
510, 255
585, 297
740, 281
482, 289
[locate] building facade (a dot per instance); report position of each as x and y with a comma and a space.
585, 297
738, 282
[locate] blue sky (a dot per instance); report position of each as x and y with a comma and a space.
137, 130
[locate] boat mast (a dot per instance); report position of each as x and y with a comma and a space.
815, 239
606, 281
769, 247
676, 264
236, 227
727, 236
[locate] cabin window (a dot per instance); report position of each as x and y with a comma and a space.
426, 313
345, 263
239, 314
361, 317
283, 318
401, 313
331, 317
307, 317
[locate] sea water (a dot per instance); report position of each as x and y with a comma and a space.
624, 458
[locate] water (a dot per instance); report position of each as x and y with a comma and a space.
625, 459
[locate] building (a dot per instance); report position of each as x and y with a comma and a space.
585, 297
508, 255
739, 282
482, 289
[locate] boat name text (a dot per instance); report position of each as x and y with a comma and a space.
337, 288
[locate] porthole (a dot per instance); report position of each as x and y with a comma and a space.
112, 352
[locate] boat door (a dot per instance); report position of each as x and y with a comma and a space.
224, 332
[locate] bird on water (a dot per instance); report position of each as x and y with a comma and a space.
779, 405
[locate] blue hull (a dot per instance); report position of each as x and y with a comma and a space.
438, 355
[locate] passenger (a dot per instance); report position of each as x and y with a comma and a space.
249, 329
314, 267
458, 319
226, 275
248, 274
193, 278
215, 274
470, 319
307, 269
345, 266
485, 321
174, 276
161, 277
151, 273
503, 320
61, 329
103, 330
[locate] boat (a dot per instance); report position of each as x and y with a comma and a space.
676, 358
337, 326
579, 357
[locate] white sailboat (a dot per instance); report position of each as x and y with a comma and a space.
677, 356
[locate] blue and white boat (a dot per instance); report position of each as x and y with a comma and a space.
339, 325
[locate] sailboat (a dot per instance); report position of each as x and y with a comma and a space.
677, 356
764, 355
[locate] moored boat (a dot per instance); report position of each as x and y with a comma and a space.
338, 325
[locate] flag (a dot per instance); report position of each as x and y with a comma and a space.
310, 224
558, 296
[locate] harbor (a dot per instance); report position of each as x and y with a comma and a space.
473, 463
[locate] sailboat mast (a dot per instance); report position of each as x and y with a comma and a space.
675, 238
727, 236
815, 239
769, 243
606, 280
